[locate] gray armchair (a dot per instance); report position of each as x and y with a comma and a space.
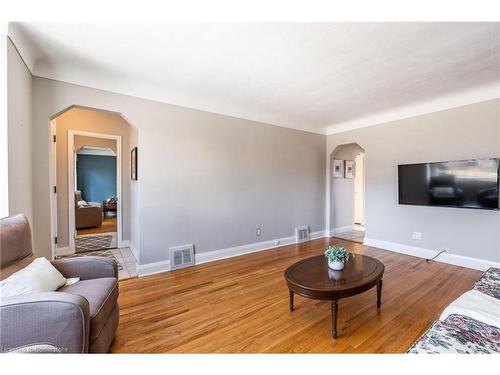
78, 318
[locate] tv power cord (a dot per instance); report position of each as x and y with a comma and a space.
438, 254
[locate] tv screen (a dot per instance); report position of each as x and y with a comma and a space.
466, 184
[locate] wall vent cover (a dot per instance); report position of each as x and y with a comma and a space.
302, 233
181, 256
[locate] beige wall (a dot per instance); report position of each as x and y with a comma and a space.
19, 134
468, 132
95, 122
204, 178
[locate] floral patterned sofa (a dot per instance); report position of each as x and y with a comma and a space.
463, 334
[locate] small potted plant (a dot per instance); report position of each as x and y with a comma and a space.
337, 256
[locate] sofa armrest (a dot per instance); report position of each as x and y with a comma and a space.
88, 216
88, 267
57, 319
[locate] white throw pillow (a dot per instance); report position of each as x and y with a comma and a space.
82, 203
71, 281
38, 277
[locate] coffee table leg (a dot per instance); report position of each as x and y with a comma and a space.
335, 311
379, 293
291, 299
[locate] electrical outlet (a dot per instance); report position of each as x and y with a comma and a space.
258, 232
277, 242
445, 249
417, 236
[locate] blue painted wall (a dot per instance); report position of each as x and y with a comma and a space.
96, 177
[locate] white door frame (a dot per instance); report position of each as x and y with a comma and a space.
52, 187
71, 182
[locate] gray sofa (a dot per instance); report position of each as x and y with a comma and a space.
79, 318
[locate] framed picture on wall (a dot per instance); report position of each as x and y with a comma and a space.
338, 169
349, 169
133, 164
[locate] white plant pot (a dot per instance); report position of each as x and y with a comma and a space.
337, 266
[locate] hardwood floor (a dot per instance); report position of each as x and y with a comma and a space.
352, 235
240, 305
108, 225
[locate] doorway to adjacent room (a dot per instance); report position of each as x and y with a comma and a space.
92, 190
347, 192
96, 193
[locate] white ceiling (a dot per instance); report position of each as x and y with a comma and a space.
322, 77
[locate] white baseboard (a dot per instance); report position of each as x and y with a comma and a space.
130, 245
210, 256
457, 260
152, 268
124, 243
230, 252
343, 229
319, 234
468, 262
134, 251
62, 251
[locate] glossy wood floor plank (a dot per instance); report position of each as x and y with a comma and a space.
109, 225
240, 305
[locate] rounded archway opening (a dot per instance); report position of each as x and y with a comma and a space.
91, 159
347, 192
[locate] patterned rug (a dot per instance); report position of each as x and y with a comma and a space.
92, 243
101, 253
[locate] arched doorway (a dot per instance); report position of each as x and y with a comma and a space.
347, 192
91, 160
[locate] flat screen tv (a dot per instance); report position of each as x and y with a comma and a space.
465, 184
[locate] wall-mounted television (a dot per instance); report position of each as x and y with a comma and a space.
464, 183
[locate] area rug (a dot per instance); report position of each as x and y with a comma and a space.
101, 253
92, 243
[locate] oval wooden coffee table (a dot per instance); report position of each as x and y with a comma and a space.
312, 278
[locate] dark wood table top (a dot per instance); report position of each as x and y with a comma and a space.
313, 278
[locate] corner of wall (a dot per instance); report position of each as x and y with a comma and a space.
19, 124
